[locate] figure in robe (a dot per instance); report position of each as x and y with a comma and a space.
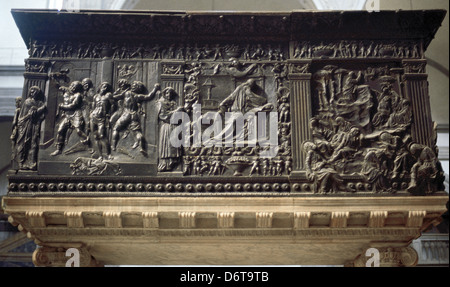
243, 100
169, 156
31, 114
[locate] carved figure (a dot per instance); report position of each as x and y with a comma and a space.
402, 162
237, 69
89, 166
255, 169
426, 174
117, 107
130, 118
216, 166
266, 166
99, 118
191, 97
242, 100
72, 117
372, 172
350, 86
326, 179
194, 72
387, 99
345, 145
187, 165
140, 51
288, 165
14, 130
28, 126
168, 154
88, 96
218, 52
402, 117
284, 110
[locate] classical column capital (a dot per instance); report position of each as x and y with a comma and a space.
64, 256
387, 257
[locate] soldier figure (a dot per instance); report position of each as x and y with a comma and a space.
72, 116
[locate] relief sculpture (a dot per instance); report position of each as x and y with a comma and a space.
129, 120
27, 127
71, 114
362, 129
286, 112
168, 154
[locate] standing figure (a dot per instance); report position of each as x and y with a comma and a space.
388, 100
266, 167
284, 110
14, 130
187, 162
255, 169
117, 107
216, 166
28, 128
129, 118
288, 166
99, 118
88, 89
88, 97
350, 86
168, 154
72, 116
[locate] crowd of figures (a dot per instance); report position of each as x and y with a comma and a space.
363, 132
196, 52
210, 161
99, 116
357, 49
95, 119
66, 49
216, 159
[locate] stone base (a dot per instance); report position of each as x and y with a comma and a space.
224, 230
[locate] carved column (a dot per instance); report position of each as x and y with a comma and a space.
416, 88
300, 77
107, 70
35, 75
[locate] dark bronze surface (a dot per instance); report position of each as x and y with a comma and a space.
349, 91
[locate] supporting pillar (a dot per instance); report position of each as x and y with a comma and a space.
416, 87
300, 86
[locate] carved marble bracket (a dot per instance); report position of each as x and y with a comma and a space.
104, 225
